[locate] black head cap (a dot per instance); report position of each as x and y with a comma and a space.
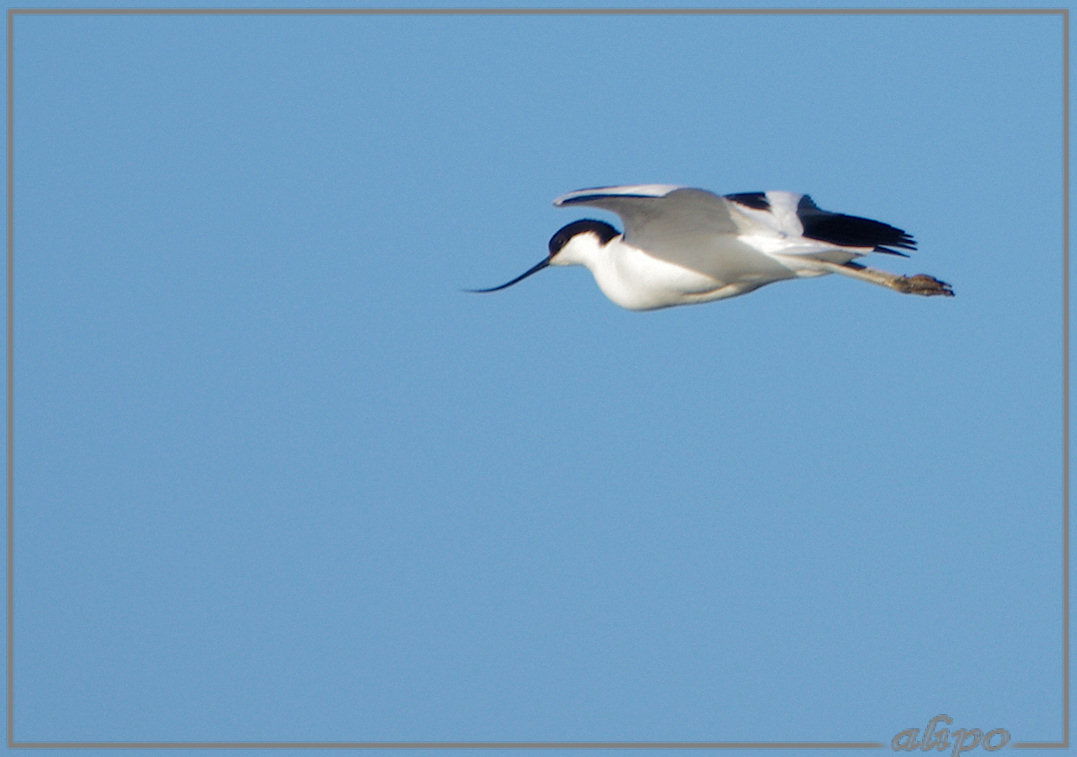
604, 231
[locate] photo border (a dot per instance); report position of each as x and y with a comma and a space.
12, 13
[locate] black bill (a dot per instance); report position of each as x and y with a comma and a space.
545, 262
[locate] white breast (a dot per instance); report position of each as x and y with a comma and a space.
637, 281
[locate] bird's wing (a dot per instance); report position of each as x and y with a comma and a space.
655, 213
690, 227
650, 211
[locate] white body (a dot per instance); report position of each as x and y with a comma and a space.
762, 247
635, 280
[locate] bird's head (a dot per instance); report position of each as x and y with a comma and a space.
579, 241
573, 244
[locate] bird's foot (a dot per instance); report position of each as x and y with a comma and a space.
925, 285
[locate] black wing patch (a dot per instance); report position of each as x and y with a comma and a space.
851, 231
603, 196
756, 200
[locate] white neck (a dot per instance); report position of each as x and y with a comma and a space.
635, 280
614, 265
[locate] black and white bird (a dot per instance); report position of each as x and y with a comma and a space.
682, 246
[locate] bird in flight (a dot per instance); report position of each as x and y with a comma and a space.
682, 246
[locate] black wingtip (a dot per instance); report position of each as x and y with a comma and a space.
892, 251
852, 231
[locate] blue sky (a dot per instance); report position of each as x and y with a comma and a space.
278, 479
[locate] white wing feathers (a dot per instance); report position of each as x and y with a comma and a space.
638, 190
